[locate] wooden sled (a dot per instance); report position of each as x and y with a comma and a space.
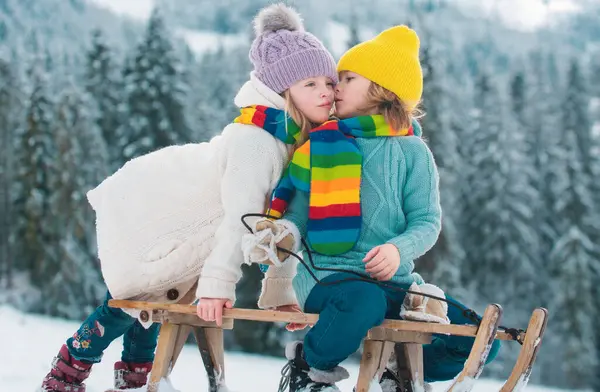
399, 337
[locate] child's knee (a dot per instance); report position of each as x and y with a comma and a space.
367, 301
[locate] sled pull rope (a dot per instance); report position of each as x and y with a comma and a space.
515, 333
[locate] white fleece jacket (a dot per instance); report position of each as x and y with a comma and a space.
172, 217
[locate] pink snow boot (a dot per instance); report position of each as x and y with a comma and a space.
130, 375
67, 373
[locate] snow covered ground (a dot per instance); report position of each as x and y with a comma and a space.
29, 343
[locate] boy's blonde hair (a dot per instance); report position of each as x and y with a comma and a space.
299, 118
396, 113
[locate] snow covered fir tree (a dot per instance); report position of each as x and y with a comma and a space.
512, 116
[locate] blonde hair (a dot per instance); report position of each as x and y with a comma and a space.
395, 111
299, 118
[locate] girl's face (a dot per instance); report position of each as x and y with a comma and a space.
351, 96
313, 97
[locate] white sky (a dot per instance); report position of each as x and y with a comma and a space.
137, 9
524, 14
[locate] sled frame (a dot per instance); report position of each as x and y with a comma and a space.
399, 337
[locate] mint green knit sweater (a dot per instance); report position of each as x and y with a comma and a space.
400, 205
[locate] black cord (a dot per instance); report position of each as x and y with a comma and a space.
467, 312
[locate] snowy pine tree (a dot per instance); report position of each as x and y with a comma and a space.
529, 148
220, 75
155, 95
93, 168
354, 28
575, 113
574, 267
205, 119
594, 114
473, 188
577, 120
548, 159
497, 216
518, 96
573, 261
10, 110
595, 189
546, 152
594, 86
442, 265
103, 85
81, 156
34, 160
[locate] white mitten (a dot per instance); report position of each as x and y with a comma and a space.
421, 308
261, 247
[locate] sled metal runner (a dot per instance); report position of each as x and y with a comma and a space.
178, 321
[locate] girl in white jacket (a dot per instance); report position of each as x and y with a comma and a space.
168, 223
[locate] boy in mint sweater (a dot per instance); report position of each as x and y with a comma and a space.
364, 193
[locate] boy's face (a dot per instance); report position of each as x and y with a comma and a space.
351, 95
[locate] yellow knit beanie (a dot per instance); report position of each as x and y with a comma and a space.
391, 60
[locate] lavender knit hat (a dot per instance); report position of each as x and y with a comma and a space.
283, 53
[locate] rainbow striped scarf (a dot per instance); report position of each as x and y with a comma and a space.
274, 121
329, 167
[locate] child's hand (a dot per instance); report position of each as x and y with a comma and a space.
291, 308
211, 309
382, 262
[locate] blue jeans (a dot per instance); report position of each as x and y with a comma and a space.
348, 310
106, 324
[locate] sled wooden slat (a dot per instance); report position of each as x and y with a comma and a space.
162, 316
464, 382
182, 335
413, 353
535, 330
387, 351
305, 318
392, 335
211, 346
164, 355
375, 356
